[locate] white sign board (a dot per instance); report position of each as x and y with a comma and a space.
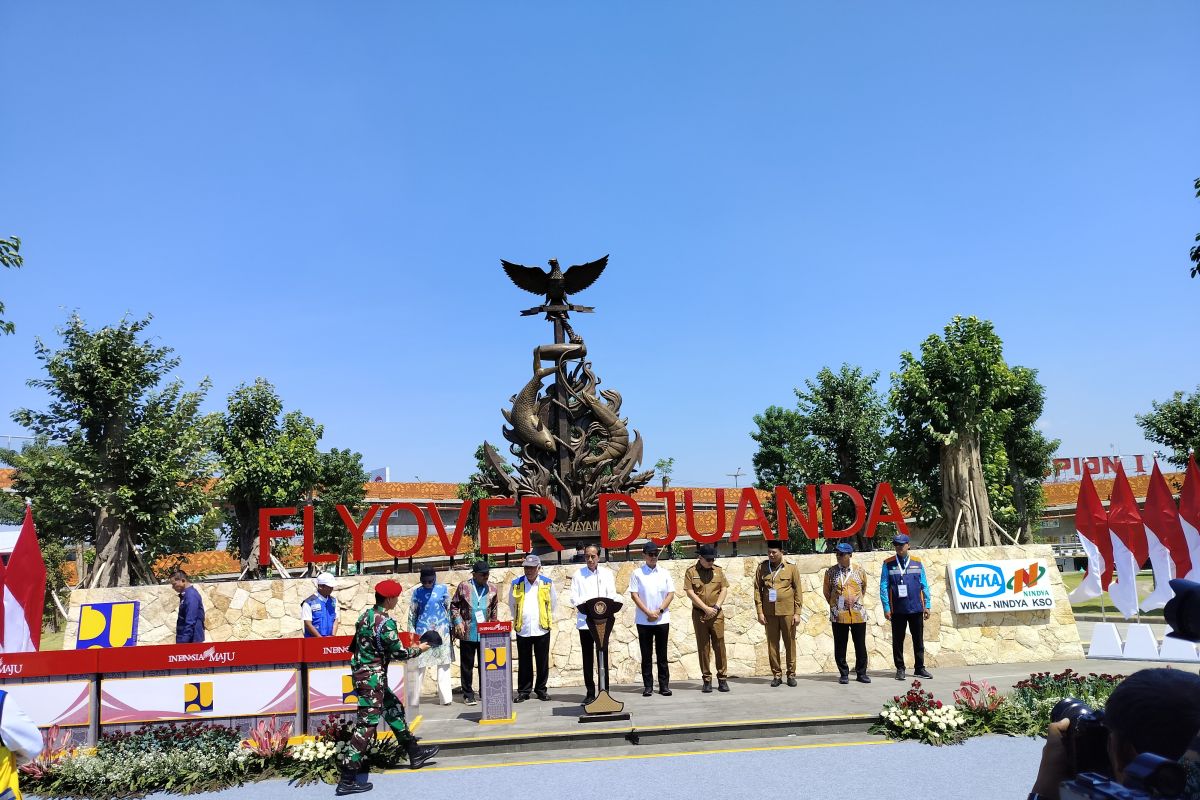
990, 586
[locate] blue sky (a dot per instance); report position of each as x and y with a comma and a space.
319, 194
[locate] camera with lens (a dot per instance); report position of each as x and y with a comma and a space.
1086, 739
1147, 776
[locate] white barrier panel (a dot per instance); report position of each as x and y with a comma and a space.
1106, 642
1140, 643
198, 696
330, 689
1177, 649
54, 702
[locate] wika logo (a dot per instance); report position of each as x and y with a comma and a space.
979, 580
1024, 578
10, 669
209, 656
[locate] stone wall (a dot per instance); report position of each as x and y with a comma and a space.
271, 609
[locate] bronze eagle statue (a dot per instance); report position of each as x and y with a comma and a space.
554, 283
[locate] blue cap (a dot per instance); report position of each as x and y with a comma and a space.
900, 538
845, 547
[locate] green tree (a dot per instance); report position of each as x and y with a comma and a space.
955, 408
836, 434
483, 482
664, 467
340, 481
10, 258
1175, 424
267, 459
1028, 454
117, 450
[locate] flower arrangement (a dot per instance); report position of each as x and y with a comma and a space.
918, 715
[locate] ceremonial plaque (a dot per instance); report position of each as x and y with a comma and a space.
495, 672
599, 613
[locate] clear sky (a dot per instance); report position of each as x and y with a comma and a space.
320, 193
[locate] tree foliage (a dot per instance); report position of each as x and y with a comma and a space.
836, 434
964, 432
267, 459
664, 467
1175, 424
340, 481
119, 457
10, 258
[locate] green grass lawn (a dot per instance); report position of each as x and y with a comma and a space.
1145, 583
52, 640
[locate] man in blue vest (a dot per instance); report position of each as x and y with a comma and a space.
318, 612
904, 593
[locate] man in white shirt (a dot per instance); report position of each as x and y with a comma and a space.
20, 743
590, 582
532, 603
652, 590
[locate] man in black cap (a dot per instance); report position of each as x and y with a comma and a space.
706, 586
652, 590
904, 592
845, 588
778, 599
475, 601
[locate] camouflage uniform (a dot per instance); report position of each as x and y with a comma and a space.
377, 641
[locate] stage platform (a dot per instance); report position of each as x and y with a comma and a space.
818, 706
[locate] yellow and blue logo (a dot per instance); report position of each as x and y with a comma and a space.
495, 657
348, 695
197, 697
104, 625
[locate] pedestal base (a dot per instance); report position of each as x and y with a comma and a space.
603, 717
604, 704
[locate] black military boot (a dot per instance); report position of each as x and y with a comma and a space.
349, 783
418, 755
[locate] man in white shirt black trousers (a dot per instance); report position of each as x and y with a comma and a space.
590, 582
652, 590
531, 599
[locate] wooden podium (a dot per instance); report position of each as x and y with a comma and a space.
600, 613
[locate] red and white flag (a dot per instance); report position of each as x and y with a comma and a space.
1169, 555
1128, 534
24, 592
1092, 526
1189, 515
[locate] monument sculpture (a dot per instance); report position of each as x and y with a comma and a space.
569, 438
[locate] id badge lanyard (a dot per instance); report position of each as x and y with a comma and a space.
902, 587
773, 595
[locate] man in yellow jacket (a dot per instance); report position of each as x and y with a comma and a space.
532, 601
20, 743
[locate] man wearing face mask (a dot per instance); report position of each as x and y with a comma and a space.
590, 582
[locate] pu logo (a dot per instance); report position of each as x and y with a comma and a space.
104, 625
197, 697
1024, 578
495, 657
348, 695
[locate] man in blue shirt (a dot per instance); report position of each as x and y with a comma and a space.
904, 593
190, 625
318, 612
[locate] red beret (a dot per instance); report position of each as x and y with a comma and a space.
388, 588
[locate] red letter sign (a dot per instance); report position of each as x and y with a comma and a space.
605, 499
827, 492
785, 502
883, 493
266, 534
528, 526
309, 530
356, 529
486, 523
386, 543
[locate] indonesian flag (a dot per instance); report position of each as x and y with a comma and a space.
24, 592
1189, 515
1128, 534
1092, 526
1168, 549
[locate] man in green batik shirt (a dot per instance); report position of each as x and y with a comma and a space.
376, 642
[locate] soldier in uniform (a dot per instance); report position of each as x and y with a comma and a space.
904, 592
376, 642
777, 596
706, 587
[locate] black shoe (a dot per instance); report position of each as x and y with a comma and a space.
844, 678
722, 685
542, 695
522, 697
707, 688
352, 787
900, 675
863, 678
791, 681
591, 698
647, 692
776, 682
922, 673
418, 755
665, 692
469, 699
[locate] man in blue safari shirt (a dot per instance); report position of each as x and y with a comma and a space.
190, 625
904, 593
318, 612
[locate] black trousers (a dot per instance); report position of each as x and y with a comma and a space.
843, 631
915, 623
468, 652
530, 649
654, 637
589, 659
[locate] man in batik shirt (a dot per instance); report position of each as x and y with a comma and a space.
845, 587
